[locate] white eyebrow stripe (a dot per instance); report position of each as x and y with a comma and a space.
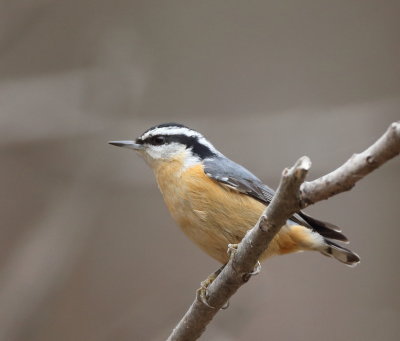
171, 131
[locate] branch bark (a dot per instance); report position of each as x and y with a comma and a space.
292, 195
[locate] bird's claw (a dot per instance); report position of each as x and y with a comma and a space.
232, 248
202, 292
256, 271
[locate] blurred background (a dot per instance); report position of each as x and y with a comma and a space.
87, 249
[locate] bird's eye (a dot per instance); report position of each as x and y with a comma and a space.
158, 140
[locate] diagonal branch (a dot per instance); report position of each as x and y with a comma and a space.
292, 195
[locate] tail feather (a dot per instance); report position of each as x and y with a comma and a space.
340, 253
312, 221
330, 234
324, 228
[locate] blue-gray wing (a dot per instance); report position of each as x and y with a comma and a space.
235, 176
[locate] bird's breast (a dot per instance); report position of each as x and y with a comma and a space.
209, 213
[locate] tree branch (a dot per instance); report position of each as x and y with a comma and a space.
354, 169
292, 195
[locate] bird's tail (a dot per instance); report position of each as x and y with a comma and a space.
328, 248
340, 253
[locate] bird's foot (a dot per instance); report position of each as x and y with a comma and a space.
202, 292
255, 272
232, 248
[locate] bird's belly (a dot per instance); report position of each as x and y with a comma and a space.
213, 216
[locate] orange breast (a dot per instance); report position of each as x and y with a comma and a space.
211, 214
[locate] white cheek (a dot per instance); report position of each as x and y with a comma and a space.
165, 152
170, 152
155, 153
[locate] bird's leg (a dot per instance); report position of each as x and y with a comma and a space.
202, 292
256, 271
232, 248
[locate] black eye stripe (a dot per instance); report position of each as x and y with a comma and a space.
191, 142
158, 140
155, 140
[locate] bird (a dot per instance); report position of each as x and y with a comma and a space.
215, 200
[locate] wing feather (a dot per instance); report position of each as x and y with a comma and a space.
238, 178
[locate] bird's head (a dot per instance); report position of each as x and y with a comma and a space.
168, 142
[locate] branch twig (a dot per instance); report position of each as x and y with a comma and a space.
292, 195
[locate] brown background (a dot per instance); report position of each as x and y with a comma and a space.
88, 250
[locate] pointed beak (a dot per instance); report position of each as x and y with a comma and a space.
127, 144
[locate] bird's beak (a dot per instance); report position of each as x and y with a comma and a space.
127, 144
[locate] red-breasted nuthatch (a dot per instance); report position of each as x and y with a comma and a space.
215, 200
